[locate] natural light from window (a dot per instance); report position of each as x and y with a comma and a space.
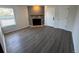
7, 17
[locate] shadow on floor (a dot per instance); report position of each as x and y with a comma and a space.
1, 50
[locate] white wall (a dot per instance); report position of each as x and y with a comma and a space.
71, 16
64, 17
21, 18
75, 32
61, 14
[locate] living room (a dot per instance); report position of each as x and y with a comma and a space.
36, 23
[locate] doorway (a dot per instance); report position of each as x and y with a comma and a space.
49, 15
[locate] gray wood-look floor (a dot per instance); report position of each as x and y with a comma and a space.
39, 40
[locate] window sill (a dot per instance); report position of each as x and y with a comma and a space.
9, 26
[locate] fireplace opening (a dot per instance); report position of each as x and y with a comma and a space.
36, 21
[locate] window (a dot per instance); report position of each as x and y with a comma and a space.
7, 17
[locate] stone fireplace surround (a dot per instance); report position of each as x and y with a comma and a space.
37, 17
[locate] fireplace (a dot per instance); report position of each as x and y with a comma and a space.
36, 21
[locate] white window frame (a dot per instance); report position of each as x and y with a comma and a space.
10, 20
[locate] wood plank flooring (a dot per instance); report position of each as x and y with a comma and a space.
40, 40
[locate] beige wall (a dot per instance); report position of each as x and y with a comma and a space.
21, 18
